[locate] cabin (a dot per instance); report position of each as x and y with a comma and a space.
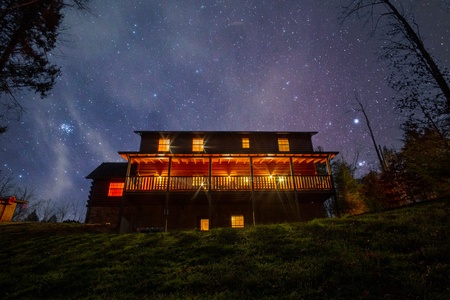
203, 180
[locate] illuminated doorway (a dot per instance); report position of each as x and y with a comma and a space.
204, 224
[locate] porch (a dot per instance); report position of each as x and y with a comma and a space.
229, 183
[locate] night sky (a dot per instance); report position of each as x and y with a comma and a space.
206, 65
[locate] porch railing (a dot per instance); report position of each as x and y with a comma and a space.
228, 183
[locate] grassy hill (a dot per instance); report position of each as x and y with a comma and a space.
398, 254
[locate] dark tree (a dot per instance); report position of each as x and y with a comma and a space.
29, 31
422, 86
426, 163
348, 189
52, 219
32, 217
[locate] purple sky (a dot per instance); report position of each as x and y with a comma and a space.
206, 65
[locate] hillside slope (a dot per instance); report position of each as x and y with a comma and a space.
398, 254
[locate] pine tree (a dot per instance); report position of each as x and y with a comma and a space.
32, 217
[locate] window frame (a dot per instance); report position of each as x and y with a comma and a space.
245, 143
163, 145
115, 189
198, 144
237, 221
283, 145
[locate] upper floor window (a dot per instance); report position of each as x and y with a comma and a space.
115, 189
283, 144
163, 145
245, 143
237, 221
197, 144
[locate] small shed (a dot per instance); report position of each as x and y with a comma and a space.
8, 206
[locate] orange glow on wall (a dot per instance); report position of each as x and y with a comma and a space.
116, 189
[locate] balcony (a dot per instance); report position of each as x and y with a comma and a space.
228, 183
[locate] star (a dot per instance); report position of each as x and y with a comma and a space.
66, 128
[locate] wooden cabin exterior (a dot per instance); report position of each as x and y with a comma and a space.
185, 180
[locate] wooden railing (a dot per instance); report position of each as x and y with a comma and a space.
228, 183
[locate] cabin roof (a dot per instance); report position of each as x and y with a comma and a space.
142, 132
109, 170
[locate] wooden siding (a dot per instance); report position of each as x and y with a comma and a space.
230, 166
266, 208
99, 191
227, 142
304, 168
155, 167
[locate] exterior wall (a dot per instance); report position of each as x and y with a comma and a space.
186, 209
100, 188
227, 142
104, 215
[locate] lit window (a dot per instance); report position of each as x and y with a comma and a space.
163, 145
197, 145
245, 143
283, 144
237, 221
204, 224
115, 189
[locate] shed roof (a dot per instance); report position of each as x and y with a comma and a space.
109, 170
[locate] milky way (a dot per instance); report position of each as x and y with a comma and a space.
206, 65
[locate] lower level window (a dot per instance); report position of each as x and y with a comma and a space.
237, 221
115, 189
204, 224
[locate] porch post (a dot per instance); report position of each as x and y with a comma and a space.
253, 190
122, 199
208, 194
291, 165
210, 174
166, 209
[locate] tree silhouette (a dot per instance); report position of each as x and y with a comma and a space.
422, 86
32, 217
29, 31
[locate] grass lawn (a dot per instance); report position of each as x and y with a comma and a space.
396, 254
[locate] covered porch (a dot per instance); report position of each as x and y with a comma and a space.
305, 172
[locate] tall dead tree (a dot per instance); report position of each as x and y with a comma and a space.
362, 109
422, 86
